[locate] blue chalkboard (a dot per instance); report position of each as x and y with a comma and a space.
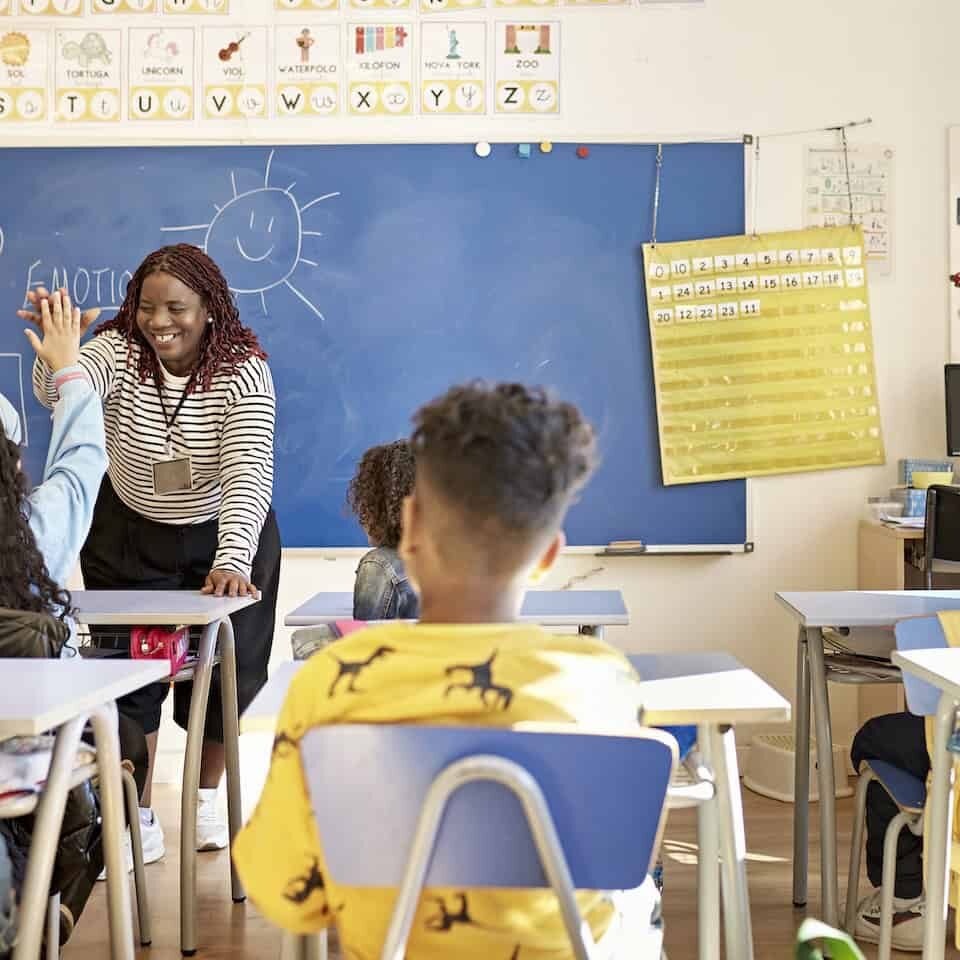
376, 276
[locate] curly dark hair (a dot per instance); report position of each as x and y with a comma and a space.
25, 583
383, 478
226, 342
506, 453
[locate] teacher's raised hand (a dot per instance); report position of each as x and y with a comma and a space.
37, 298
61, 325
226, 583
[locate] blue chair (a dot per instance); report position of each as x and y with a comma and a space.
909, 793
476, 807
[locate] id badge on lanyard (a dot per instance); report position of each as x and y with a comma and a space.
174, 473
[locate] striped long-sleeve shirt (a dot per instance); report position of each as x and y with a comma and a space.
227, 431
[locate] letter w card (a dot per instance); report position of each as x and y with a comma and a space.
528, 67
306, 64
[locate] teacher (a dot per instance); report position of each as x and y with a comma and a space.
189, 411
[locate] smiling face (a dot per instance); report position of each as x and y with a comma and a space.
172, 319
256, 236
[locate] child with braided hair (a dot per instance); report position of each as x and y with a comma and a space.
189, 410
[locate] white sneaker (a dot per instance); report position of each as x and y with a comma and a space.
907, 922
151, 835
211, 826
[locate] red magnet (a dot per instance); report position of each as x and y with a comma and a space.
955, 279
583, 152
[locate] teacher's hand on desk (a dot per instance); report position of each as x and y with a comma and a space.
226, 583
41, 295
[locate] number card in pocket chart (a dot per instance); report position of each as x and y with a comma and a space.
453, 67
88, 65
24, 59
215, 7
528, 67
763, 355
380, 69
161, 73
126, 6
52, 8
306, 64
234, 72
305, 6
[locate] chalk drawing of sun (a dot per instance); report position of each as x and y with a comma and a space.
257, 238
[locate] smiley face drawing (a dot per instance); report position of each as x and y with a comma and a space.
257, 238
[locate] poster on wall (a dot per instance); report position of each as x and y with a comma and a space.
450, 6
862, 179
763, 354
161, 74
234, 72
52, 8
87, 76
24, 59
305, 6
216, 7
306, 65
528, 67
453, 65
380, 69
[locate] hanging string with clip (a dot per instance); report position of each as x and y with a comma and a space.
656, 194
755, 187
846, 168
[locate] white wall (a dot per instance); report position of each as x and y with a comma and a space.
761, 66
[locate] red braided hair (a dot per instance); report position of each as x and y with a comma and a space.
226, 342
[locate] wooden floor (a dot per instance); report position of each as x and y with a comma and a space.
239, 932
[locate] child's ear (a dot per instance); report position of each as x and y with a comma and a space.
548, 558
408, 522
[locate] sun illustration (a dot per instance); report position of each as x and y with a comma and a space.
257, 238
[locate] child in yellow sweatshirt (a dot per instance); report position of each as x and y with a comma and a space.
496, 469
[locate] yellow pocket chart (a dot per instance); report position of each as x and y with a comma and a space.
763, 354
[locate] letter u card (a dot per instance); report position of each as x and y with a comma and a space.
762, 354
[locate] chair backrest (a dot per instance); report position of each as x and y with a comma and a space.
605, 795
942, 527
920, 633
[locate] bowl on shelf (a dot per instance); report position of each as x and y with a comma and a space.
928, 478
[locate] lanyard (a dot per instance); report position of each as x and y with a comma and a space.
171, 420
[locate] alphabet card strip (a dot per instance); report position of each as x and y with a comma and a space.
381, 4
216, 7
306, 63
450, 6
161, 73
762, 354
516, 4
24, 59
234, 72
305, 6
88, 65
453, 65
528, 67
126, 6
52, 8
380, 69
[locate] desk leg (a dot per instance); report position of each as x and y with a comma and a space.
591, 630
733, 846
191, 783
708, 861
937, 853
231, 744
827, 788
801, 773
43, 846
104, 720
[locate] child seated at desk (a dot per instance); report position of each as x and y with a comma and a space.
382, 590
496, 469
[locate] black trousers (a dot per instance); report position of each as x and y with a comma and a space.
125, 551
897, 738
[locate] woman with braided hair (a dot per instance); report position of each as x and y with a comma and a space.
189, 410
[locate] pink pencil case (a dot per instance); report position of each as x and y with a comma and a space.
156, 643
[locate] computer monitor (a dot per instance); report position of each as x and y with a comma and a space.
951, 379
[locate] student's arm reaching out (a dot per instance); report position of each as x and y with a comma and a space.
61, 508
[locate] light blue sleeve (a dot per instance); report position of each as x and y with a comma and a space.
10, 420
61, 508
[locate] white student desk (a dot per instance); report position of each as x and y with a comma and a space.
941, 668
590, 610
41, 695
815, 611
188, 609
712, 691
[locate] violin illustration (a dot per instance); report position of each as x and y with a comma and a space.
231, 48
